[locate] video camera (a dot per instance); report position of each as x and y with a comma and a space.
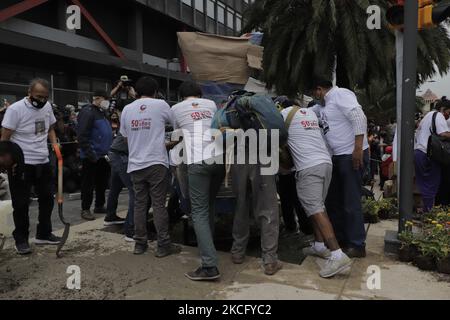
126, 82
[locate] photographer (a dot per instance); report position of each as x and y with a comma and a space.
124, 93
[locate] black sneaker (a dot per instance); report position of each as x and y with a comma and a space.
112, 221
204, 274
23, 248
49, 240
140, 248
163, 252
101, 210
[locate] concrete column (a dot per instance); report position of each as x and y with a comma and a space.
136, 33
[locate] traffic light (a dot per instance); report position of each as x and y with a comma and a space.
430, 13
396, 14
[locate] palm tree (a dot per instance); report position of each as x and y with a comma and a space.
304, 38
380, 104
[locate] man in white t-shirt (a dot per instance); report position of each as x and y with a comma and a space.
345, 129
443, 196
29, 123
194, 116
428, 172
314, 171
143, 124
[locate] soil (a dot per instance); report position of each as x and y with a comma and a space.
108, 268
43, 276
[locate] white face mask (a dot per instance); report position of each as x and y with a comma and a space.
105, 105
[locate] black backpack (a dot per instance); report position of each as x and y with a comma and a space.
438, 147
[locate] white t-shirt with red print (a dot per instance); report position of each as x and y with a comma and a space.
143, 123
306, 141
194, 117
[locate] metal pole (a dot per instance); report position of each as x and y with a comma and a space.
399, 56
407, 127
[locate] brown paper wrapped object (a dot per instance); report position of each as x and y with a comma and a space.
219, 58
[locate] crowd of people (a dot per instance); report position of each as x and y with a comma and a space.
330, 143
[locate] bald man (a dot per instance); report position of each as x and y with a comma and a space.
29, 123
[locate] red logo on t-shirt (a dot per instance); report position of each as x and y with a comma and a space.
143, 108
201, 115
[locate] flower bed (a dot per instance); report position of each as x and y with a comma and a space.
383, 209
427, 243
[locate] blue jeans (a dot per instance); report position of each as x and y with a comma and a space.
344, 201
120, 179
204, 184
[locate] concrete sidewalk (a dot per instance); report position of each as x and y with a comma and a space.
109, 270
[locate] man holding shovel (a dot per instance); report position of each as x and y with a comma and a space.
29, 123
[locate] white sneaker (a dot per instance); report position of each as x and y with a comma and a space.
313, 252
128, 239
334, 267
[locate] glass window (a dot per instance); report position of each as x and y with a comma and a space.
230, 18
238, 23
221, 12
199, 5
210, 9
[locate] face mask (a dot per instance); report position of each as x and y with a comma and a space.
37, 103
105, 105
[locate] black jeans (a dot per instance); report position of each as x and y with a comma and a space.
291, 206
94, 176
39, 176
344, 201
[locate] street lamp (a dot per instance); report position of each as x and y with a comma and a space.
170, 61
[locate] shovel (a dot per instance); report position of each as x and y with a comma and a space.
60, 199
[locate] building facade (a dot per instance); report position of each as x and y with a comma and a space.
41, 38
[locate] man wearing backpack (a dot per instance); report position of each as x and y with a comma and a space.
428, 171
314, 170
251, 185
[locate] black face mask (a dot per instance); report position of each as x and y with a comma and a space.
37, 103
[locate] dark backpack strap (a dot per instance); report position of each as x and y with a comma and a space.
433, 124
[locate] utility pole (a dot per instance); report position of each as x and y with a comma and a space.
407, 121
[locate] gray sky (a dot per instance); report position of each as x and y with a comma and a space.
441, 87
